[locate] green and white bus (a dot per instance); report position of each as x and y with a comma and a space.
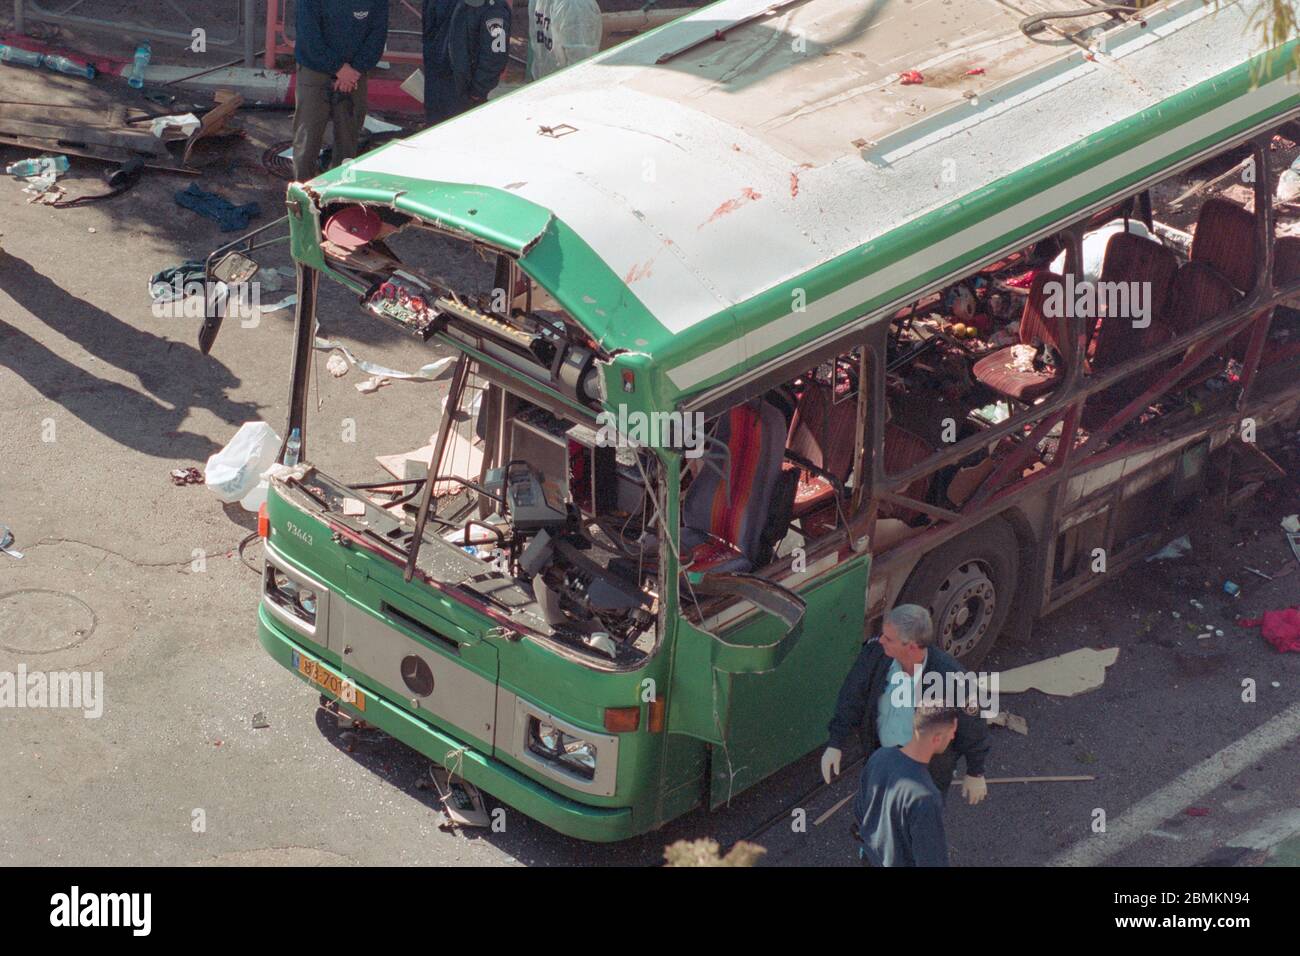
824, 243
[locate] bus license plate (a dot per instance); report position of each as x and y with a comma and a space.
316, 673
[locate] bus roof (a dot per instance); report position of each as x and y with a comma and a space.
751, 193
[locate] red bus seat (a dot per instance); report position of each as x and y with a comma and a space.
822, 432
723, 518
995, 370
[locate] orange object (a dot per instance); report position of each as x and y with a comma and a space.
656, 722
622, 720
911, 77
263, 522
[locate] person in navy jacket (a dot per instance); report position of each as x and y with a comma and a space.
337, 43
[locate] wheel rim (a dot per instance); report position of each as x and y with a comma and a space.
963, 607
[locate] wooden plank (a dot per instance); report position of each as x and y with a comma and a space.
108, 154
136, 142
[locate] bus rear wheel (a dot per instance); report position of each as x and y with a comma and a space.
968, 585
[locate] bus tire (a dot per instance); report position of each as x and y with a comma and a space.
969, 587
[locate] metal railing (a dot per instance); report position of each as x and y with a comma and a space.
245, 12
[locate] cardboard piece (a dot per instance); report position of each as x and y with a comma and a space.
1063, 676
462, 457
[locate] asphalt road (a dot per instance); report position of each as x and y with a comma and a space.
128, 574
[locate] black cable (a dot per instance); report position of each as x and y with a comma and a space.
242, 545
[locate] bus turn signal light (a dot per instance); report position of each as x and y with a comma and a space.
622, 720
263, 522
656, 722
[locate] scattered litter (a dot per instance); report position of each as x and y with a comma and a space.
185, 123
91, 230
260, 722
372, 384
1010, 721
232, 218
1196, 604
284, 303
337, 365
975, 71
1258, 573
1173, 550
175, 282
44, 190
427, 373
186, 476
235, 472
1231, 589
1063, 676
1275, 683
38, 166
462, 804
375, 125
911, 77
1175, 615
1197, 811
1279, 628
6, 543
1291, 527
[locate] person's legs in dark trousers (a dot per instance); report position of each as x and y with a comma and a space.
441, 101
349, 113
311, 113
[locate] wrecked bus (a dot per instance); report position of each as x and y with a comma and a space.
973, 341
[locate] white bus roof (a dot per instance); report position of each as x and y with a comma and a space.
740, 163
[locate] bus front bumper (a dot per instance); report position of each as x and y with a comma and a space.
597, 824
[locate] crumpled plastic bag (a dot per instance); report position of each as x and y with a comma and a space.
235, 473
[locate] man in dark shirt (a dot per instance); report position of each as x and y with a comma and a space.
868, 704
337, 43
898, 808
466, 48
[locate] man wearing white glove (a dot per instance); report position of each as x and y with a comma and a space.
867, 703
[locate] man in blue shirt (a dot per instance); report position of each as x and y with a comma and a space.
869, 704
466, 48
337, 42
899, 809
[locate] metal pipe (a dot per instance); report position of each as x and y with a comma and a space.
435, 461
246, 27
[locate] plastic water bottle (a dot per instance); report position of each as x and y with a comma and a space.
136, 79
61, 64
12, 54
38, 166
293, 448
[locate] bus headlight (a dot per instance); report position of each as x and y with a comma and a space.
295, 598
572, 753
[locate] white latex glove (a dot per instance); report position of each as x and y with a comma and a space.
830, 764
974, 789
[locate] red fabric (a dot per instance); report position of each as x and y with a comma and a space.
731, 498
1279, 628
711, 553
